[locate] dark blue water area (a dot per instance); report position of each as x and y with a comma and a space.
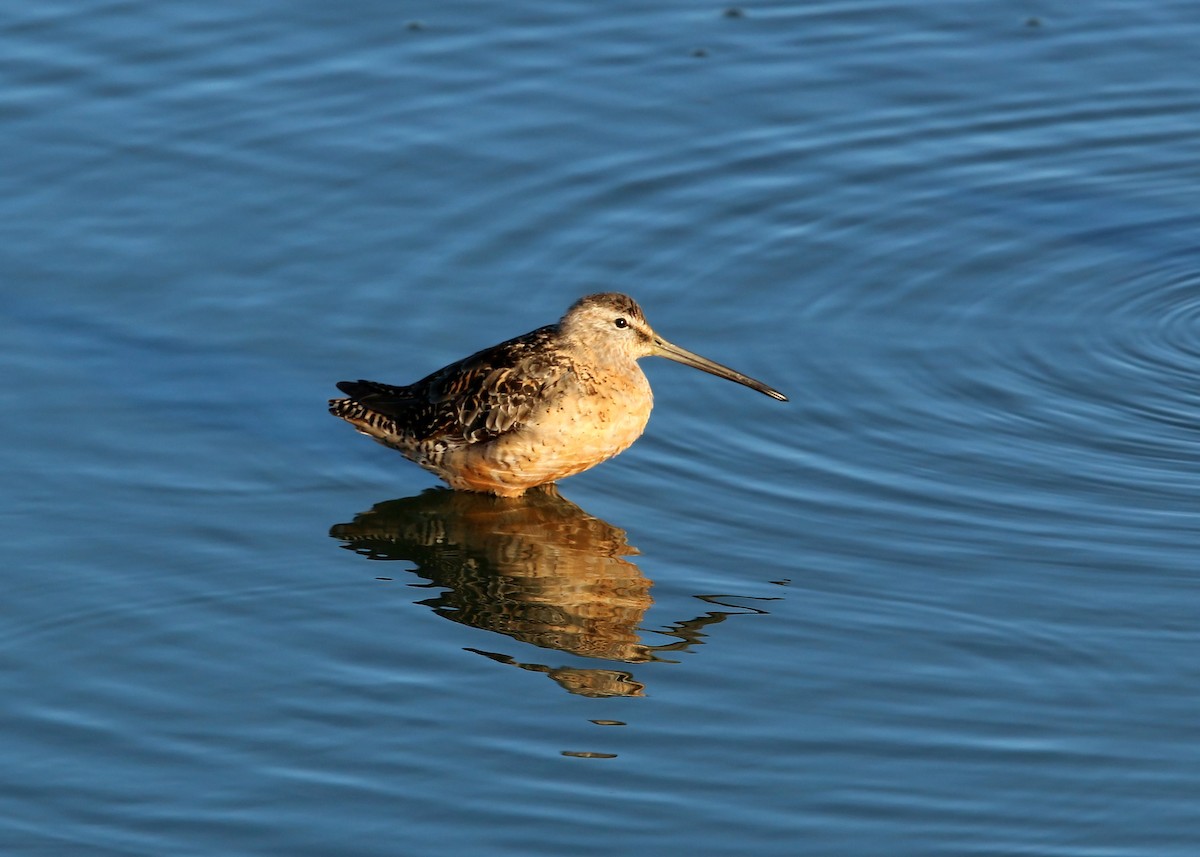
944, 601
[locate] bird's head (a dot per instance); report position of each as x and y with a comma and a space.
611, 326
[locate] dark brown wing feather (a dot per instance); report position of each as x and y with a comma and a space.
476, 399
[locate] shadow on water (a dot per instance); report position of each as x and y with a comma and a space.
535, 568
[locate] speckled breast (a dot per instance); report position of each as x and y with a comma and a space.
584, 424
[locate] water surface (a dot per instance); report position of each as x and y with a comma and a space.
942, 602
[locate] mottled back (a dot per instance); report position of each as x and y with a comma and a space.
473, 400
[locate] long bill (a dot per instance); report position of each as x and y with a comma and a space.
662, 348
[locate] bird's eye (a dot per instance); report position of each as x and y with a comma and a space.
621, 323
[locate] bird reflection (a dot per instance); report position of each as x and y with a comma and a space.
535, 568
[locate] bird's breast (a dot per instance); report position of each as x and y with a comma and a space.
600, 415
584, 421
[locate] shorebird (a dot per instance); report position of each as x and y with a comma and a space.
532, 410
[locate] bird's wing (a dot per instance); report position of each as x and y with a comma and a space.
473, 400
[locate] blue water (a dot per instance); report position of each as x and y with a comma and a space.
943, 602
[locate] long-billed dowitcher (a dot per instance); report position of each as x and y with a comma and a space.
532, 410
